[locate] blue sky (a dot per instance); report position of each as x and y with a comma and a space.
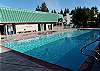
52, 4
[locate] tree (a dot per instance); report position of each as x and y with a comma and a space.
38, 8
52, 11
85, 17
61, 11
80, 16
72, 12
44, 7
55, 11
99, 17
94, 9
98, 20
65, 12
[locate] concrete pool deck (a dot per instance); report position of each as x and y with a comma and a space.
14, 61
3, 49
22, 36
10, 61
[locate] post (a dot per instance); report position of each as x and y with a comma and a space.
6, 32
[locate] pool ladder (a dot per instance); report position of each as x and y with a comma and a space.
94, 51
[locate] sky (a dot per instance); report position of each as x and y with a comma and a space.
52, 4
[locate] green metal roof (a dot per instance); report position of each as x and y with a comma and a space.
8, 15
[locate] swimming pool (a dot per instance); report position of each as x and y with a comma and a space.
62, 49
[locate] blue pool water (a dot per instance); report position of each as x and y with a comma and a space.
62, 49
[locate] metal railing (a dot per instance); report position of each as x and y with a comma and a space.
94, 51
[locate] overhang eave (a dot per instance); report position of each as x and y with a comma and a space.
28, 22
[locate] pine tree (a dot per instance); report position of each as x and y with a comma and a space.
85, 17
55, 11
52, 11
44, 7
65, 11
38, 8
72, 12
61, 11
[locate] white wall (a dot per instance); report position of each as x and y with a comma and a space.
52, 26
68, 18
47, 26
26, 27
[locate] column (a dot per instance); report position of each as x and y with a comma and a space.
6, 32
51, 26
45, 26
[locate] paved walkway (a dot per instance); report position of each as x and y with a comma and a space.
13, 61
10, 61
22, 36
3, 49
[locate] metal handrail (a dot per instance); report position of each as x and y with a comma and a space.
85, 47
96, 51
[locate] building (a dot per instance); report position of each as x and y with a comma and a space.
15, 21
68, 19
